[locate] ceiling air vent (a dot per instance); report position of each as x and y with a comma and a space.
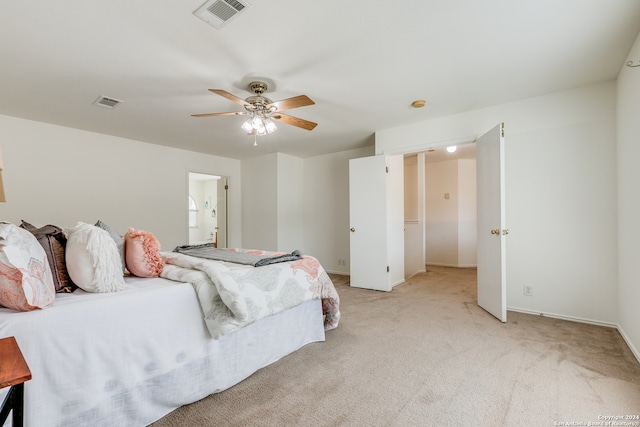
218, 13
106, 102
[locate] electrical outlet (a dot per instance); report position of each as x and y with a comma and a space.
342, 261
528, 291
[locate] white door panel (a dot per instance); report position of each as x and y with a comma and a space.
368, 219
492, 231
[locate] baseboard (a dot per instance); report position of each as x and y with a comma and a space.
417, 272
563, 317
342, 273
626, 339
399, 282
435, 264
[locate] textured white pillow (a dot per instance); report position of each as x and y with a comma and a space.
93, 259
116, 238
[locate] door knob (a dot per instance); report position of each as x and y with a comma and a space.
353, 230
505, 231
495, 231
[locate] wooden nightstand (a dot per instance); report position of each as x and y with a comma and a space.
13, 373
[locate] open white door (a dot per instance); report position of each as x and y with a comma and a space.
221, 211
376, 206
492, 286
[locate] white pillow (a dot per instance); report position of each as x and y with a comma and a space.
93, 259
116, 238
26, 282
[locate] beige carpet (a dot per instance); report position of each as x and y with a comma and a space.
426, 355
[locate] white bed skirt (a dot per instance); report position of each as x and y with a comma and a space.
129, 358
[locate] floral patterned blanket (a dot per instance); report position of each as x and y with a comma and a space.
235, 295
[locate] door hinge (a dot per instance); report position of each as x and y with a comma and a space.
387, 268
387, 169
502, 129
226, 186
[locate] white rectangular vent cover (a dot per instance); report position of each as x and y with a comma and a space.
218, 13
106, 102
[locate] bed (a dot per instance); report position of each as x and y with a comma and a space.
128, 358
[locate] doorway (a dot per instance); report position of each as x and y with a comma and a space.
207, 209
440, 208
491, 226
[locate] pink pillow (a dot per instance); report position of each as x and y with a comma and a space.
26, 281
142, 253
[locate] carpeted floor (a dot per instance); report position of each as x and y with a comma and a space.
426, 355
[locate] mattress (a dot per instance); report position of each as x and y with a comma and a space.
129, 358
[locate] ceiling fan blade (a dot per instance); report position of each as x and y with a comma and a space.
229, 96
230, 113
294, 121
289, 103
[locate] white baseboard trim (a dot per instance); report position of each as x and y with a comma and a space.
342, 273
435, 264
417, 272
399, 282
626, 339
563, 317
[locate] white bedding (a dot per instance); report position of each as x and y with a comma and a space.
129, 358
234, 295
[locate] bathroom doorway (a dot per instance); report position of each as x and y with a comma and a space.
207, 209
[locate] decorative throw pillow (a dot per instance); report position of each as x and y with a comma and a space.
26, 282
143, 253
116, 238
93, 260
53, 241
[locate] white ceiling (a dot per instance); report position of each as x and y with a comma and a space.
362, 62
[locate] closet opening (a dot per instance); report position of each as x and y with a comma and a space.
440, 209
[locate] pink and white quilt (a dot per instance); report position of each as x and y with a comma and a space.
235, 295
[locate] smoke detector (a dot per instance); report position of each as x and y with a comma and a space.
218, 13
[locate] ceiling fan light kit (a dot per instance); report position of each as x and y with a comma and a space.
259, 126
263, 111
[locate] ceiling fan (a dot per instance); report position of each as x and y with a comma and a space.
263, 111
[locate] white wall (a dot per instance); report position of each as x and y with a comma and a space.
441, 215
196, 234
467, 208
290, 217
260, 202
560, 191
58, 175
411, 188
414, 259
628, 128
272, 216
326, 207
451, 223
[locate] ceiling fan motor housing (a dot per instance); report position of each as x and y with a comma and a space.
258, 87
